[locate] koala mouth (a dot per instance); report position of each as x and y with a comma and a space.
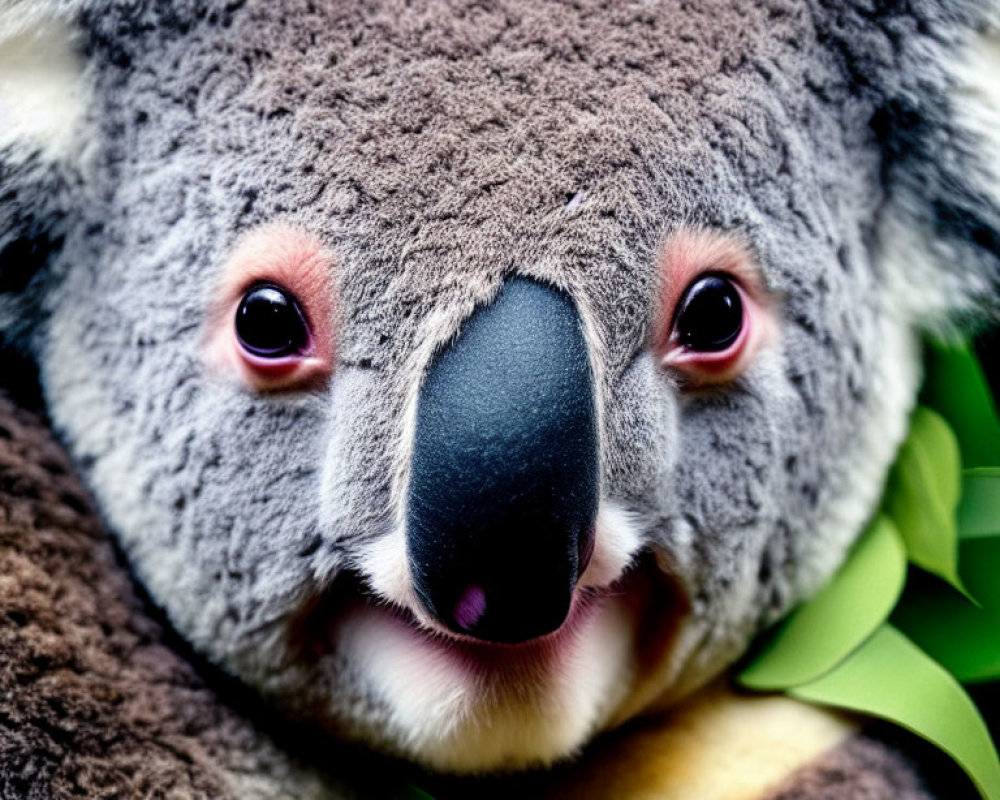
644, 600
460, 704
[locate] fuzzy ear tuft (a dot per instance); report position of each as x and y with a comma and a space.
939, 235
18, 17
42, 89
43, 102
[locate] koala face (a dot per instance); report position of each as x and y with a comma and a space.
469, 379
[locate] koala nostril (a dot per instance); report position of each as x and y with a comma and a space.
515, 614
470, 607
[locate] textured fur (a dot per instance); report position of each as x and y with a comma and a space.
435, 149
98, 701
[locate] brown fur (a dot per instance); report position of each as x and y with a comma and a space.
94, 702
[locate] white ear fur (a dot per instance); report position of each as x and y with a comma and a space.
20, 16
930, 276
43, 91
977, 103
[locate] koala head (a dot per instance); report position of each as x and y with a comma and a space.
468, 378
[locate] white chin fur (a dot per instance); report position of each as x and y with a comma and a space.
451, 715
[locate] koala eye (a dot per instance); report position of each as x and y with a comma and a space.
716, 330
714, 313
710, 316
270, 323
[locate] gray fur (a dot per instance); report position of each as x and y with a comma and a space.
435, 149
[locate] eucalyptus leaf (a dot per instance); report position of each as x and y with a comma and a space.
889, 677
411, 792
956, 387
860, 663
823, 631
963, 638
922, 494
979, 510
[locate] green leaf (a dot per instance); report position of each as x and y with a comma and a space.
827, 628
955, 387
922, 494
979, 510
889, 677
411, 792
963, 638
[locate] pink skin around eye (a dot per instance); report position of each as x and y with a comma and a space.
686, 256
297, 262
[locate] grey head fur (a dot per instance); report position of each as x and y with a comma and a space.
436, 149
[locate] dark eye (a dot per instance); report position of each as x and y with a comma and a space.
270, 323
710, 317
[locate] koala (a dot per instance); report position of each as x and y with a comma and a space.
468, 378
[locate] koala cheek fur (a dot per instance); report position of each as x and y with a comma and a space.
394, 172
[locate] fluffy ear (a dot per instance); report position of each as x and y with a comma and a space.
42, 104
20, 16
936, 69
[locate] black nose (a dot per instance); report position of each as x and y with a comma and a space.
504, 477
